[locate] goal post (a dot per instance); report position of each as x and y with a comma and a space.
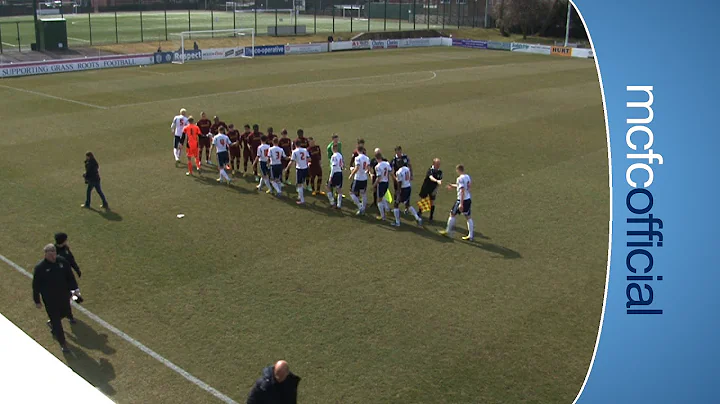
214, 44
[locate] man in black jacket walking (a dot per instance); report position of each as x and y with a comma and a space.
276, 386
92, 179
63, 250
53, 280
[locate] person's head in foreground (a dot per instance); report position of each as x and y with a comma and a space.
335, 138
50, 252
436, 163
311, 141
398, 151
61, 239
460, 169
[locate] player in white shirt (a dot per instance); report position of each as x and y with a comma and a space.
382, 182
221, 142
176, 127
462, 204
335, 182
263, 154
277, 155
404, 178
300, 158
359, 175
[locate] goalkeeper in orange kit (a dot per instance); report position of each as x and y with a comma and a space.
190, 140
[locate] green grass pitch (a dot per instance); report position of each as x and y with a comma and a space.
102, 26
365, 313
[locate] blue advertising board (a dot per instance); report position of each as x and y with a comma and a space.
470, 43
271, 50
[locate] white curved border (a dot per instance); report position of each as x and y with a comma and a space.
607, 274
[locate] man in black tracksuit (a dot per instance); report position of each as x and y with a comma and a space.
276, 386
63, 250
53, 280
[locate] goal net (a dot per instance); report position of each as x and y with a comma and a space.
214, 44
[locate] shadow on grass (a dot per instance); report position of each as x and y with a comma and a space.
107, 214
98, 373
86, 337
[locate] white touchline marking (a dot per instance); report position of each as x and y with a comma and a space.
175, 368
78, 39
423, 80
9, 44
22, 90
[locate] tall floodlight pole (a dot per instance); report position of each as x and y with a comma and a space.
487, 3
567, 24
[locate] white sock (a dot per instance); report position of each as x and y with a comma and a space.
381, 207
276, 186
339, 198
450, 224
396, 211
414, 213
176, 153
223, 174
300, 190
267, 183
259, 186
355, 200
330, 197
364, 201
471, 228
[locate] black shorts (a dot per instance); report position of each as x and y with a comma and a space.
223, 158
205, 141
466, 205
276, 171
358, 186
432, 194
301, 175
382, 189
176, 141
264, 170
336, 180
405, 195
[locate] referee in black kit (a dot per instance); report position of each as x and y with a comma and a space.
433, 178
53, 280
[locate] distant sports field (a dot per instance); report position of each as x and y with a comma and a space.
363, 312
101, 28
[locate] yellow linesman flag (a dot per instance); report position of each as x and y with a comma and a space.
424, 204
388, 196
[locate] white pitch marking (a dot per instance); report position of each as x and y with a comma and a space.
78, 39
22, 90
175, 368
9, 44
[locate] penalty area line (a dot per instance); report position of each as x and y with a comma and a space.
54, 97
175, 368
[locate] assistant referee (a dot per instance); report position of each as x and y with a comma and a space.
433, 178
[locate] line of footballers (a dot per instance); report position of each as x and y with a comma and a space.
274, 156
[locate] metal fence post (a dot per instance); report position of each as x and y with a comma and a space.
276, 21
486, 13
90, 27
255, 9
413, 13
459, 14
294, 15
142, 36
234, 22
165, 13
1, 42
333, 18
400, 16
315, 17
117, 38
443, 16
428, 13
212, 23
368, 14
17, 25
351, 21
385, 17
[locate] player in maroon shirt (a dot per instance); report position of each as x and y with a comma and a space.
205, 140
270, 135
214, 129
244, 143
287, 146
255, 140
315, 168
234, 148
